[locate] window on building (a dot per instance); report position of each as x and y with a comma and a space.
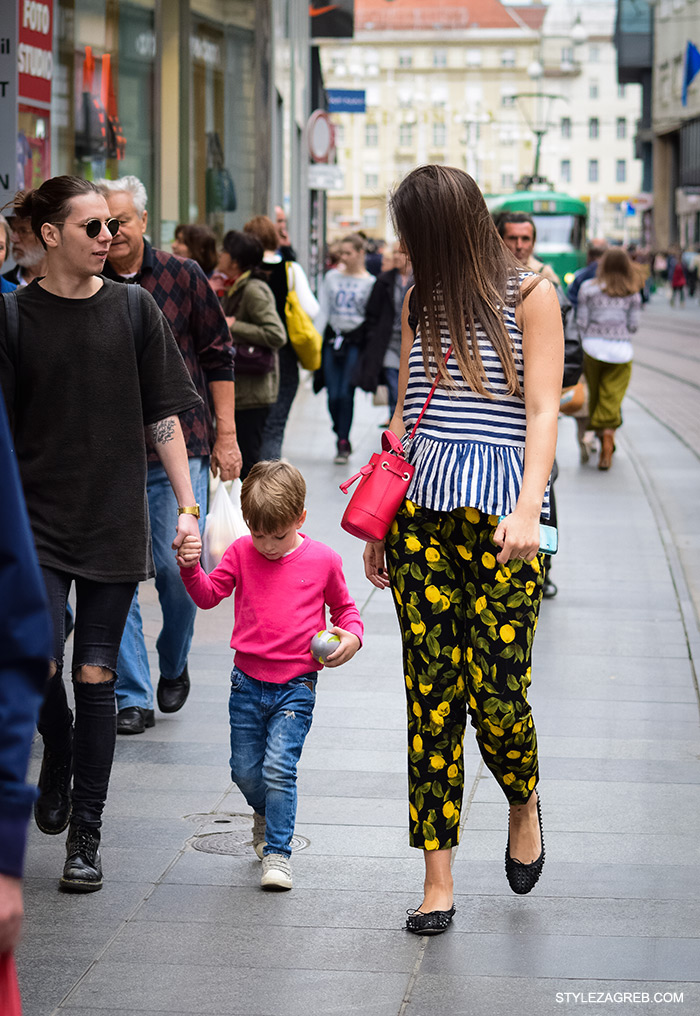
339, 134
507, 181
405, 58
438, 96
473, 58
620, 91
594, 54
370, 218
593, 127
593, 88
621, 127
371, 181
371, 135
593, 171
567, 54
621, 171
566, 126
565, 170
439, 135
406, 135
405, 96
507, 58
507, 98
439, 58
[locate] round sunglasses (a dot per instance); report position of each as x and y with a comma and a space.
93, 226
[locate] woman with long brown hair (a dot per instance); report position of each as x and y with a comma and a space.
608, 314
462, 555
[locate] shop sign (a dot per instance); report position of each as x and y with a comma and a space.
35, 50
8, 105
346, 100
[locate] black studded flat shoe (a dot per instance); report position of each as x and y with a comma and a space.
433, 923
523, 877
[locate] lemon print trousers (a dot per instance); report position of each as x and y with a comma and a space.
467, 625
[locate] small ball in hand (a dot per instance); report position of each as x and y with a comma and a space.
323, 644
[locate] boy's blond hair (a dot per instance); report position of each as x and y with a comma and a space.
272, 496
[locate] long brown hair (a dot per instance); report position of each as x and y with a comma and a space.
464, 274
617, 274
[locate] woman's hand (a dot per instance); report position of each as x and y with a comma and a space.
375, 568
518, 537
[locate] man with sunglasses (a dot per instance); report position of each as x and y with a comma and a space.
27, 252
194, 314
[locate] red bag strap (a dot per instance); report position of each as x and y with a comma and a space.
430, 395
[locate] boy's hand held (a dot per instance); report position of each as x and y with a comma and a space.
349, 644
189, 552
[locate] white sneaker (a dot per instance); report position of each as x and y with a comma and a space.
258, 834
276, 872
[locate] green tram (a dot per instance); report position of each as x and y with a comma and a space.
561, 226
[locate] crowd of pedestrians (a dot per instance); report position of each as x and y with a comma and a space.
177, 366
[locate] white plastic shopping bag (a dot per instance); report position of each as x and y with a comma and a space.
235, 499
223, 525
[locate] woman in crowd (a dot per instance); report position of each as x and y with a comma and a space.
258, 332
81, 451
341, 321
462, 554
608, 315
197, 243
281, 275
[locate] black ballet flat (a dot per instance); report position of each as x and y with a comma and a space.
523, 877
433, 923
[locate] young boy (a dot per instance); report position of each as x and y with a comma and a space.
282, 581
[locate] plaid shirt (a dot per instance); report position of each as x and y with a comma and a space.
189, 305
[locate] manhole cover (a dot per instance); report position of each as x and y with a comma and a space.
237, 841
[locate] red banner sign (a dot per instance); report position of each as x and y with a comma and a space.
35, 50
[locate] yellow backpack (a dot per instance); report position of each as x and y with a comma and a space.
304, 338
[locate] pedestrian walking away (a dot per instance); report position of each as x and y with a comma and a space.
281, 276
81, 450
194, 315
282, 582
467, 587
341, 320
381, 354
608, 315
258, 334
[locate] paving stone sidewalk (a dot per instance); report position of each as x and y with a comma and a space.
183, 932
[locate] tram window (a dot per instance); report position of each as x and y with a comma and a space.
558, 233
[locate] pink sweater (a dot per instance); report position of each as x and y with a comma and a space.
279, 605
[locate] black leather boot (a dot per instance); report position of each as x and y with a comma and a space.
82, 872
53, 806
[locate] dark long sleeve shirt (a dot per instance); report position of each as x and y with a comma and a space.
191, 308
25, 647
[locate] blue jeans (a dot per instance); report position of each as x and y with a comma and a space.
273, 432
337, 373
269, 724
134, 686
391, 375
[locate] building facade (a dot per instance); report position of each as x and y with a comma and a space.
475, 87
676, 127
203, 100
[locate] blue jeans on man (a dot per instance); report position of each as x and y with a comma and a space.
269, 724
134, 686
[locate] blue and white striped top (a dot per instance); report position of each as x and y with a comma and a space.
468, 451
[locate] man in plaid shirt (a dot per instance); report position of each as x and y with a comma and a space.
194, 314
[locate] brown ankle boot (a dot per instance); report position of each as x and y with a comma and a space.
607, 447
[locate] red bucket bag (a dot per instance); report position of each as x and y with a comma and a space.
383, 485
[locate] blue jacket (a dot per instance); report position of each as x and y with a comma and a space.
581, 275
25, 648
6, 286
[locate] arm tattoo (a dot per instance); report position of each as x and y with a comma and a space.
163, 431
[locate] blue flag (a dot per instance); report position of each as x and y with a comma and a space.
690, 69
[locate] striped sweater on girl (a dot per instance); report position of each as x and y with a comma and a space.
468, 451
